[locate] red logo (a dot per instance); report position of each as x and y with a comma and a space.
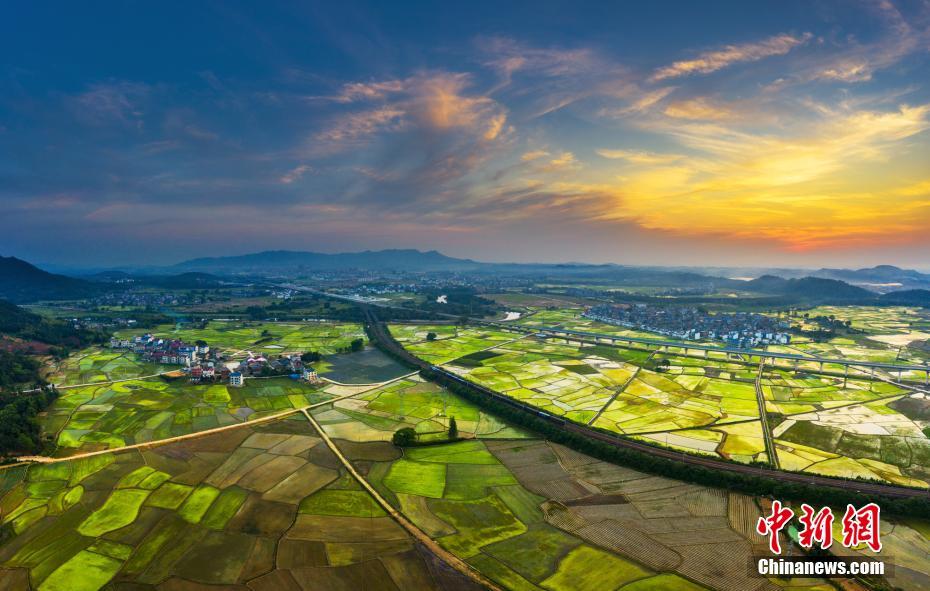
773, 524
860, 526
818, 527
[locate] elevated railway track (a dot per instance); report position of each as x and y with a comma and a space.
379, 333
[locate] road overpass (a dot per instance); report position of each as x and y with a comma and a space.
686, 346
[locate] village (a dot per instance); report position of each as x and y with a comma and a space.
205, 364
737, 330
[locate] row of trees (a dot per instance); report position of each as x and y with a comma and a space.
18, 369
19, 429
407, 436
747, 483
750, 484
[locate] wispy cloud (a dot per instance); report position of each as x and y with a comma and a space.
718, 59
362, 124
352, 92
639, 157
112, 102
699, 108
507, 56
294, 174
434, 102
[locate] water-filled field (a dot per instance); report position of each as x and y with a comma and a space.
536, 516
853, 426
113, 415
95, 364
268, 506
269, 338
363, 367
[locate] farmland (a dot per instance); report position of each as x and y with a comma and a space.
113, 415
411, 402
532, 515
881, 440
107, 415
464, 342
556, 378
264, 337
95, 364
877, 334
850, 427
268, 505
615, 389
571, 319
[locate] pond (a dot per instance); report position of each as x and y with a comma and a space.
367, 366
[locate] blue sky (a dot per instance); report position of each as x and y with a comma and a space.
781, 133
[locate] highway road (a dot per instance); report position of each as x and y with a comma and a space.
764, 418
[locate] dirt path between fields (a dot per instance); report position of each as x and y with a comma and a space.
158, 442
449, 558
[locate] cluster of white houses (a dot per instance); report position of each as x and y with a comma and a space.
167, 351
203, 364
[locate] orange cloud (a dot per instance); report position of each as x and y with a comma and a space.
830, 187
712, 61
699, 108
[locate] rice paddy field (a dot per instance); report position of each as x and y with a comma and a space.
885, 334
89, 418
532, 515
880, 440
610, 388
876, 321
571, 319
417, 333
442, 350
96, 364
789, 393
556, 378
264, 337
412, 402
269, 507
853, 427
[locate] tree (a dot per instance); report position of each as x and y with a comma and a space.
404, 437
453, 429
431, 336
311, 357
357, 345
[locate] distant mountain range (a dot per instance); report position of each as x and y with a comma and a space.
886, 284
814, 288
881, 278
23, 282
279, 260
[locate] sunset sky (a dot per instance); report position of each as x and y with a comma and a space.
674, 133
